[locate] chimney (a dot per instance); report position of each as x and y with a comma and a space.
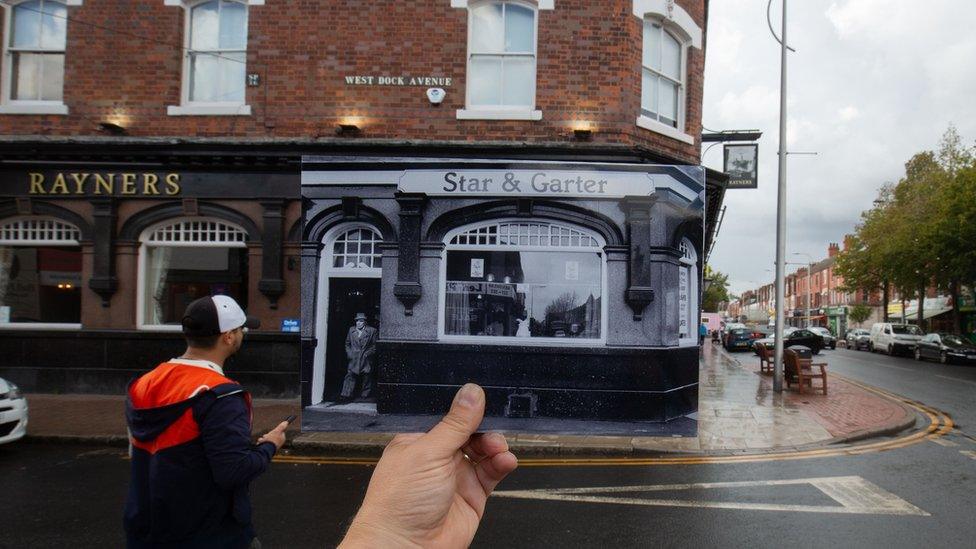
833, 249
848, 241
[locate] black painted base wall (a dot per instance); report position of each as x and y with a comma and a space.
607, 383
103, 362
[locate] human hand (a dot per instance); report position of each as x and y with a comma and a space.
430, 490
275, 436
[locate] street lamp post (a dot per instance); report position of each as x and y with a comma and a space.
780, 211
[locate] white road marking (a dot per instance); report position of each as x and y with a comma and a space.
970, 453
957, 379
854, 494
943, 442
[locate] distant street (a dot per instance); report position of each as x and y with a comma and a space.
918, 495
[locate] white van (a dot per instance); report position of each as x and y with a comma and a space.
894, 338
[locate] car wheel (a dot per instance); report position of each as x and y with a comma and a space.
833, 346
918, 354
871, 346
943, 358
891, 350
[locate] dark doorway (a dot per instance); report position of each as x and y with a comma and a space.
347, 296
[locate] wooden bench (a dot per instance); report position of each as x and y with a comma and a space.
802, 370
766, 359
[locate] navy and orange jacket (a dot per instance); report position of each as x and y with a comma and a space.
192, 458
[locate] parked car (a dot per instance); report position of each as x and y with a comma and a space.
741, 338
801, 336
945, 348
858, 339
894, 338
828, 338
13, 412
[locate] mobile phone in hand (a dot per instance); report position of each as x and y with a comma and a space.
290, 418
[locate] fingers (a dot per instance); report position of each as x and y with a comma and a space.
454, 430
482, 446
493, 470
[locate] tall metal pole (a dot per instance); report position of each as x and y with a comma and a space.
781, 215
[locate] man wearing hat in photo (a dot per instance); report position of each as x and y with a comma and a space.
360, 350
190, 440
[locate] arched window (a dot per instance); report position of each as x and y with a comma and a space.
33, 62
688, 318
662, 81
214, 71
511, 280
501, 73
357, 248
185, 259
40, 272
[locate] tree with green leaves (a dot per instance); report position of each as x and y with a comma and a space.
859, 313
717, 291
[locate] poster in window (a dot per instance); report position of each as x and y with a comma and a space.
477, 267
683, 302
572, 270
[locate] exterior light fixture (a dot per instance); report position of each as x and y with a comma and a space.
112, 128
582, 134
348, 130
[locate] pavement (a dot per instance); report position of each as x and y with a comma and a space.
738, 414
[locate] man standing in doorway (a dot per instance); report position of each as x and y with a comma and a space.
360, 350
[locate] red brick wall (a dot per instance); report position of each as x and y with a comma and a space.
589, 58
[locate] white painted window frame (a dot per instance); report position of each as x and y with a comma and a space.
327, 271
201, 108
694, 310
470, 112
36, 242
8, 105
522, 341
145, 243
674, 19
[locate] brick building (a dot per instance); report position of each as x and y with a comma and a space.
243, 100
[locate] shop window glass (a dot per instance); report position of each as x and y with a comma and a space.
662, 75
524, 280
218, 51
36, 47
190, 259
501, 58
40, 272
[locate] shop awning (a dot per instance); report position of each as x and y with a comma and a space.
912, 314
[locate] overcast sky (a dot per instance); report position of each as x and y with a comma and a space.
872, 82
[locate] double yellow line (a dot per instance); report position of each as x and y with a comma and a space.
939, 424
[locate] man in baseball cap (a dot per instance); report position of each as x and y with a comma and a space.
190, 440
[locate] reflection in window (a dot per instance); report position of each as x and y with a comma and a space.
662, 76
40, 272
501, 60
357, 249
36, 50
218, 51
548, 286
188, 260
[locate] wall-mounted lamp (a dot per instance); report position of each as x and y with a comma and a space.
112, 128
348, 130
582, 134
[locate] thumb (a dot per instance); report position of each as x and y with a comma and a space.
461, 421
281, 426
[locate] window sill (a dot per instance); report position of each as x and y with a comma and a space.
34, 108
161, 328
209, 110
524, 341
38, 326
664, 129
499, 114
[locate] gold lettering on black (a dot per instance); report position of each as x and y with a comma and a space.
149, 181
128, 183
37, 183
173, 184
60, 186
80, 182
101, 183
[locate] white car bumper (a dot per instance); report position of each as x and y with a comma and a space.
13, 419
